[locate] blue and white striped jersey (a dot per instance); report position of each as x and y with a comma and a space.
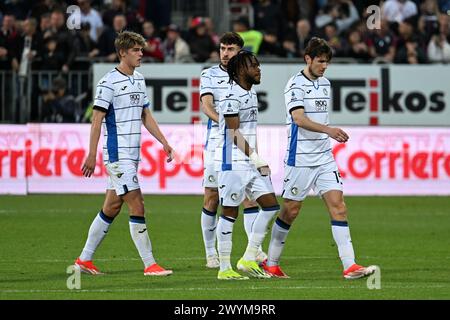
307, 148
237, 101
124, 98
213, 81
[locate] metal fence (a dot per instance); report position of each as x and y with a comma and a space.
21, 99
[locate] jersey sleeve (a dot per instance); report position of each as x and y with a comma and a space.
205, 84
146, 101
229, 107
104, 94
294, 98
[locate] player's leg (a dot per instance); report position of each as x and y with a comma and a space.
260, 189
251, 210
297, 183
139, 233
329, 186
231, 194
209, 216
98, 230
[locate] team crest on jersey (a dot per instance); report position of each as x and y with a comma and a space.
99, 95
325, 91
293, 97
294, 191
134, 99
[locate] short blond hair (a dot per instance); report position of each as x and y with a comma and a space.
127, 40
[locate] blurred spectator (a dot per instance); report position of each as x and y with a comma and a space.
52, 59
293, 10
399, 10
271, 45
252, 38
17, 8
30, 43
9, 44
439, 46
410, 46
382, 42
334, 41
105, 44
210, 30
63, 38
45, 25
41, 7
134, 18
59, 106
174, 47
343, 14
85, 46
444, 6
429, 20
356, 48
267, 17
303, 36
153, 48
201, 45
91, 16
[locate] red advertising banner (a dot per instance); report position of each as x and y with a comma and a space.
47, 158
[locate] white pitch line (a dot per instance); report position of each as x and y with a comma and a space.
214, 289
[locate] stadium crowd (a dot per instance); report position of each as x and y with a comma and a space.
35, 33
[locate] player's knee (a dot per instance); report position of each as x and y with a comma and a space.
289, 213
211, 200
339, 210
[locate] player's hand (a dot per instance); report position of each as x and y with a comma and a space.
169, 152
338, 134
264, 171
89, 166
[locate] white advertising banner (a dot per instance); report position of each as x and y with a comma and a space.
362, 95
47, 158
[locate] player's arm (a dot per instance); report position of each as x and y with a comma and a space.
232, 122
96, 128
207, 104
152, 126
300, 119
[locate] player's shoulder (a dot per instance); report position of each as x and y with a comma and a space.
214, 71
111, 78
296, 81
324, 81
138, 76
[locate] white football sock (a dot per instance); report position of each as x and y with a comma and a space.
139, 234
97, 232
341, 235
224, 241
280, 230
208, 222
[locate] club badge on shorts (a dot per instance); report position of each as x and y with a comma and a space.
211, 178
294, 191
234, 196
135, 179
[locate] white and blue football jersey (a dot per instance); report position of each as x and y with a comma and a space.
213, 81
307, 148
123, 97
244, 104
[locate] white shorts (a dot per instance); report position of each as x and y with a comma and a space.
122, 176
235, 185
209, 174
299, 180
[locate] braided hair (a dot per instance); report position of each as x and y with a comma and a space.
237, 62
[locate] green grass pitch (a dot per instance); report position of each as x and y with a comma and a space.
41, 235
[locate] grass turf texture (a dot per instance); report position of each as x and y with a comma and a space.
41, 235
